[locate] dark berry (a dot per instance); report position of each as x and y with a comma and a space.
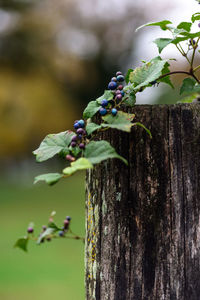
122, 93
114, 111
48, 239
68, 218
74, 138
112, 85
80, 131
199, 25
30, 230
104, 102
114, 79
66, 224
120, 78
82, 146
61, 233
120, 87
153, 82
73, 144
117, 92
80, 136
76, 125
119, 97
70, 158
102, 111
81, 123
118, 73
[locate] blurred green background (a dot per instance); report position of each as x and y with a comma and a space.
55, 56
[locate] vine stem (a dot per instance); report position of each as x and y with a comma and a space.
181, 72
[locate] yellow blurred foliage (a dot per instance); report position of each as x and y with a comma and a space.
31, 106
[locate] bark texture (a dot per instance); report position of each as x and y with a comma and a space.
143, 221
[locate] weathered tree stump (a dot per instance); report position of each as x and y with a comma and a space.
143, 221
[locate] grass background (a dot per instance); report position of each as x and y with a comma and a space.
53, 270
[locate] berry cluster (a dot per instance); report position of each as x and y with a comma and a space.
118, 93
65, 227
79, 139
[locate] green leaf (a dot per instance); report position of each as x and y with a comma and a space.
144, 127
144, 75
167, 78
54, 226
96, 152
91, 109
49, 178
190, 35
122, 121
187, 85
130, 99
91, 127
162, 43
75, 151
53, 144
80, 164
162, 24
108, 95
127, 75
195, 17
189, 99
185, 25
22, 243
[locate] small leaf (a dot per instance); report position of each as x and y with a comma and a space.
167, 78
22, 243
49, 178
80, 164
108, 95
96, 152
189, 99
162, 43
122, 121
53, 144
187, 85
185, 25
130, 99
144, 127
54, 226
91, 109
195, 17
91, 127
127, 75
161, 24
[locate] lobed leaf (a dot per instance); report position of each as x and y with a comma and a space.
53, 144
98, 151
22, 243
162, 43
122, 121
185, 25
195, 17
127, 75
49, 178
187, 85
80, 164
130, 99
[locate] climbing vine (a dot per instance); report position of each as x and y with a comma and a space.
81, 150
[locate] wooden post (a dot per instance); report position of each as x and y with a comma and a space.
143, 221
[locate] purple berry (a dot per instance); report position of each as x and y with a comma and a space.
82, 146
119, 97
104, 102
74, 138
112, 85
73, 144
48, 239
61, 233
81, 123
199, 25
102, 111
66, 224
120, 78
80, 136
117, 92
76, 125
80, 131
120, 87
30, 230
114, 111
114, 79
70, 158
68, 218
118, 73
